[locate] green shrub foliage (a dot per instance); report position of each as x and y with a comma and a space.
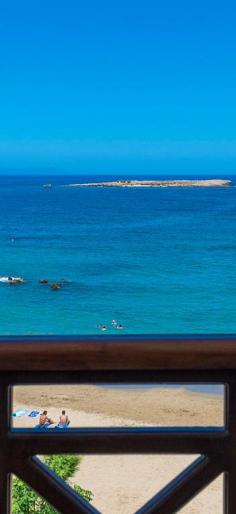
26, 501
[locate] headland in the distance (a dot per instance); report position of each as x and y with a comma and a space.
158, 183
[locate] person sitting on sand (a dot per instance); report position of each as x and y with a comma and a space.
63, 420
44, 421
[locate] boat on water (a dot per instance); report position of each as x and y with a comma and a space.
12, 280
47, 186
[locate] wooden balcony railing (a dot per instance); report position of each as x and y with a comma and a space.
47, 360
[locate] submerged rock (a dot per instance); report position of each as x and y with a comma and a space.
55, 286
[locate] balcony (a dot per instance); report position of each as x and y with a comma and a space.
45, 360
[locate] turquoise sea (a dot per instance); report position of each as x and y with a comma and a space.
155, 260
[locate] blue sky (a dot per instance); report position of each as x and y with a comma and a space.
111, 87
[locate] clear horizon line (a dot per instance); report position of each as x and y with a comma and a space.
34, 172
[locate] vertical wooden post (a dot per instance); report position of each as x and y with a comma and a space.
5, 423
230, 474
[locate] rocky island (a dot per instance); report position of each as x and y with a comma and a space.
158, 183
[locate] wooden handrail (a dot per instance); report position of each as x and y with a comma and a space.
118, 353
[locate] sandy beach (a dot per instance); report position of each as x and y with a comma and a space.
122, 483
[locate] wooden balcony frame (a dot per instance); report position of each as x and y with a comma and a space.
78, 360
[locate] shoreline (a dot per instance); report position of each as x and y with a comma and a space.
203, 390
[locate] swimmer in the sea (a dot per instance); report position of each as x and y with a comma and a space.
103, 328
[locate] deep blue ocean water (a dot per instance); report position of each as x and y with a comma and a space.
156, 260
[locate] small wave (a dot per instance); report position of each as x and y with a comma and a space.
12, 279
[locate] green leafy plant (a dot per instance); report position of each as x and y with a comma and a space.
26, 501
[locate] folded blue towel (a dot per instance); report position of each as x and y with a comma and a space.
33, 414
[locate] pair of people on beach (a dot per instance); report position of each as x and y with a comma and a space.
45, 421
